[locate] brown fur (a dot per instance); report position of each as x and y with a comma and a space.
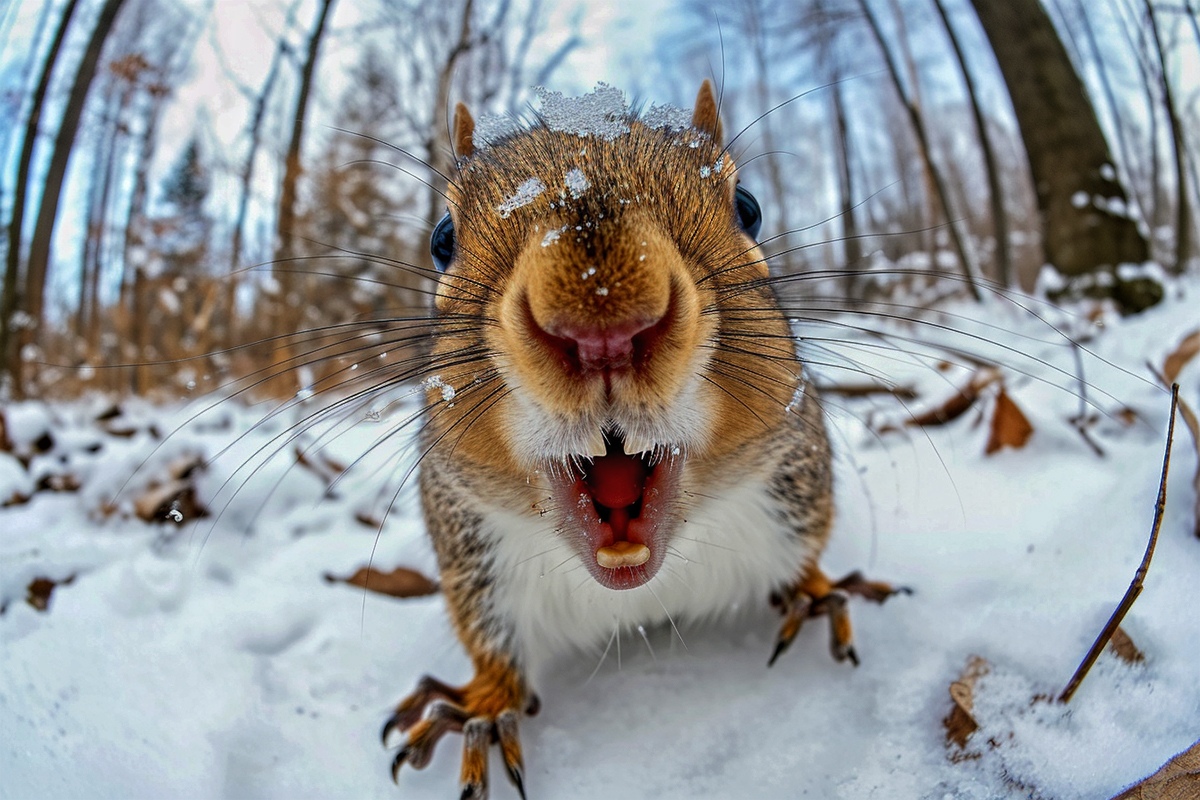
651, 246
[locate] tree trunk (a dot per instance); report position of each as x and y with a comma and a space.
9, 357
851, 244
1183, 214
247, 173
996, 192
966, 262
1069, 158
286, 219
440, 162
289, 311
105, 155
43, 233
1110, 96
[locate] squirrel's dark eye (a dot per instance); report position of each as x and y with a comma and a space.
749, 215
441, 244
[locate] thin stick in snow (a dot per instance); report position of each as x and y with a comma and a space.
1139, 577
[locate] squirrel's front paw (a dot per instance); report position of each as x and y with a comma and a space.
485, 710
816, 596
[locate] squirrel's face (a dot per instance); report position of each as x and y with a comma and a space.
629, 345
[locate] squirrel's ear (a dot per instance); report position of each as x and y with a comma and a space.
707, 117
464, 128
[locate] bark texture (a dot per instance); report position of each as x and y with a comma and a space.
1085, 224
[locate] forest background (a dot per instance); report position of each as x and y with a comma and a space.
182, 179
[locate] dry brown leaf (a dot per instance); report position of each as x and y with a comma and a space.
1010, 427
867, 390
37, 594
175, 501
1124, 648
1193, 425
1178, 359
6, 445
1178, 779
959, 723
1128, 416
325, 468
400, 582
959, 403
63, 482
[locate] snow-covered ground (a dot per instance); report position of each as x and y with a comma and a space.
211, 658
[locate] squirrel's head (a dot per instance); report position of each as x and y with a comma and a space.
604, 297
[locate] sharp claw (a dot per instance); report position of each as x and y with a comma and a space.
477, 738
510, 749
780, 647
388, 727
514, 775
398, 762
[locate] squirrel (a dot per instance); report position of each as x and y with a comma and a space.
630, 438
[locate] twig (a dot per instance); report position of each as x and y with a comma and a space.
1080, 422
1135, 588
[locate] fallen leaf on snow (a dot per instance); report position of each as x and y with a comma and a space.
37, 594
1010, 427
1193, 426
173, 501
1178, 359
400, 582
1178, 779
959, 723
958, 404
6, 445
1124, 648
867, 390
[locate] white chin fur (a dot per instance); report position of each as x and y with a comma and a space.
538, 438
733, 561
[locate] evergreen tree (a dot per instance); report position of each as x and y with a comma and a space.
185, 229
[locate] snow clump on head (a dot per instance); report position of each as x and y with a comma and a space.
577, 182
668, 117
526, 193
603, 112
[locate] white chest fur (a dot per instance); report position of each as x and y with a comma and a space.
731, 551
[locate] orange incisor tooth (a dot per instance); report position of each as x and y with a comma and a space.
622, 554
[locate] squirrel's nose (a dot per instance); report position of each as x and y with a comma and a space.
586, 347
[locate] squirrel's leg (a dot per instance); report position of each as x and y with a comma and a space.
485, 710
815, 595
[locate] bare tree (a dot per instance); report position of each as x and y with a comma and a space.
1081, 200
1183, 215
261, 101
9, 358
966, 260
288, 313
43, 233
286, 217
1004, 270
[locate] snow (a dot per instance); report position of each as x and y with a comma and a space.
526, 193
210, 657
577, 183
602, 112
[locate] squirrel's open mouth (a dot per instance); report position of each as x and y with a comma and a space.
615, 510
